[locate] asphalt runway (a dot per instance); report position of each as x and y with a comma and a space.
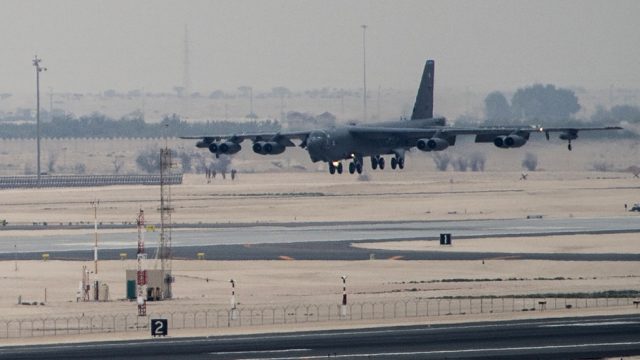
566, 338
311, 241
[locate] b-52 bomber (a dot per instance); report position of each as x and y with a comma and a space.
355, 142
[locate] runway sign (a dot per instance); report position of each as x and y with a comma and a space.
159, 327
445, 239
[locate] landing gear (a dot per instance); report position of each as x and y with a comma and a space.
569, 146
355, 166
397, 162
335, 168
377, 162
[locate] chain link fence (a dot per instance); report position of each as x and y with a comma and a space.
49, 181
293, 314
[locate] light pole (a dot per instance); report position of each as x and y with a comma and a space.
95, 204
36, 63
343, 308
364, 72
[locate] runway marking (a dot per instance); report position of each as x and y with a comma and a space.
510, 257
441, 352
285, 257
208, 339
604, 323
257, 351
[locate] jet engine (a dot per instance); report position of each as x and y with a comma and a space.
268, 148
499, 142
433, 144
203, 144
227, 147
569, 135
514, 141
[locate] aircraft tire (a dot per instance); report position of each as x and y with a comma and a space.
359, 168
352, 168
339, 168
381, 163
332, 169
401, 163
394, 163
374, 163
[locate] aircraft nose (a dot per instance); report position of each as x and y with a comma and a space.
314, 147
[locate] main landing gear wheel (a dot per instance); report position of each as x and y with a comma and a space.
332, 169
381, 163
339, 168
352, 168
359, 167
374, 162
401, 163
569, 147
394, 163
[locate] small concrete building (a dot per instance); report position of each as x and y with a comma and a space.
158, 285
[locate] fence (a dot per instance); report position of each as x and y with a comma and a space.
417, 308
48, 181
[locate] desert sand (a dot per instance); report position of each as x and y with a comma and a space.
312, 196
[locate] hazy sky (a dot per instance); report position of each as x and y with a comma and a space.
478, 45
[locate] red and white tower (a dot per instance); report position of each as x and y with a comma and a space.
141, 278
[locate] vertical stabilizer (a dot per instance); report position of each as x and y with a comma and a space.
423, 108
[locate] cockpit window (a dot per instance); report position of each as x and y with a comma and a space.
318, 135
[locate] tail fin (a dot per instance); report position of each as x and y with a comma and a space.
423, 108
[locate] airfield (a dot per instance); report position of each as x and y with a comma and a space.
578, 239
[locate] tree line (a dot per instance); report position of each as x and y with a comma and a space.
550, 106
99, 125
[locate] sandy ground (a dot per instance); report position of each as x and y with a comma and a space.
290, 197
205, 284
275, 197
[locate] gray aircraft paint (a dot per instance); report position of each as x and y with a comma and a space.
357, 141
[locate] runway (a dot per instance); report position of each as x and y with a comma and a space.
587, 337
310, 241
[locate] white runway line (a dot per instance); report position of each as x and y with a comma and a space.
442, 352
257, 352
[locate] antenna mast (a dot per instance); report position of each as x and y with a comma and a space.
141, 277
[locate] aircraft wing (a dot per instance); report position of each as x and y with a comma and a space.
238, 138
263, 143
381, 132
518, 135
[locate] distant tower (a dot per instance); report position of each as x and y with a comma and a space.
141, 275
185, 76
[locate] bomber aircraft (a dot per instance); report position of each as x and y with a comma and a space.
355, 142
